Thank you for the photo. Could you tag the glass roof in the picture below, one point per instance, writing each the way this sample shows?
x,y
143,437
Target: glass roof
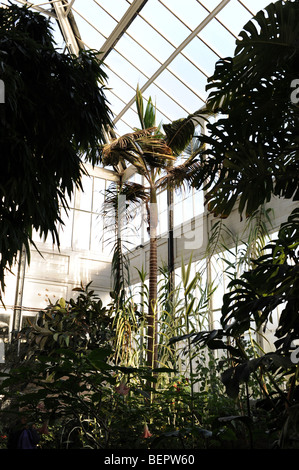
x,y
167,47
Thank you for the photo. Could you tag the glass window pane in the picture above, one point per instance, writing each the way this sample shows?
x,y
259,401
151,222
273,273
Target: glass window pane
x,y
150,39
99,185
188,208
96,239
191,12
234,16
218,38
81,234
66,230
163,20
84,197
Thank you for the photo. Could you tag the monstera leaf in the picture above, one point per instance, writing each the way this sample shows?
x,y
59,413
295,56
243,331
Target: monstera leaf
x,y
252,149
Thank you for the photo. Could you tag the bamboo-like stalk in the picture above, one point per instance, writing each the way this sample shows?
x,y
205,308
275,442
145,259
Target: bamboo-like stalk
x,y
152,355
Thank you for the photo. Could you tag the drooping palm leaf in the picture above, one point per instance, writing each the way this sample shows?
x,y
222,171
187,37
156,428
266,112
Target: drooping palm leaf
x,y
179,133
179,176
153,153
121,205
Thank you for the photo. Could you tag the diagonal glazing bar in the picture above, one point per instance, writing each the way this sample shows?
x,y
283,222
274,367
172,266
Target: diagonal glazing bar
x,y
67,27
37,8
174,54
148,52
122,26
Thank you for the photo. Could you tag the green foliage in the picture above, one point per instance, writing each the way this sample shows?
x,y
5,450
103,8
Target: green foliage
x,y
52,120
242,155
67,373
272,282
245,163
218,389
153,155
81,324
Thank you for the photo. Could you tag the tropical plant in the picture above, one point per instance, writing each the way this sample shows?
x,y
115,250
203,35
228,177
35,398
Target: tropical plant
x,y
153,154
81,324
242,155
65,372
52,121
246,162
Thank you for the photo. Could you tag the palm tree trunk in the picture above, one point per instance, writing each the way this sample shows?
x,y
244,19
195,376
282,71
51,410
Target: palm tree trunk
x,y
152,353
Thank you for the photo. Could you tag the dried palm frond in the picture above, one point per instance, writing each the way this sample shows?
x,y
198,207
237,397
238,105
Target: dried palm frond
x,y
180,175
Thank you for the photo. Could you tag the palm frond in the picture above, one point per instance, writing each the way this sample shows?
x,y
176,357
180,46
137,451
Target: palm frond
x,y
179,133
113,152
133,193
182,175
147,117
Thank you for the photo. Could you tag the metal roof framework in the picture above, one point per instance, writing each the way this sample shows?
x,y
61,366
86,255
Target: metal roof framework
x,y
167,47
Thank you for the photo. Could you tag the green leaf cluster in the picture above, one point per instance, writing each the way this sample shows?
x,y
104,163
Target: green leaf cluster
x,y
251,149
52,121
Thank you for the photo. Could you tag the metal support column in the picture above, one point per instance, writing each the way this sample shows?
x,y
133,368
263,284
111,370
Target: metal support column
x,y
17,312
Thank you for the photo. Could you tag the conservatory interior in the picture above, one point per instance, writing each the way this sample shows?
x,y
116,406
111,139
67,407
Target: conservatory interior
x,y
150,223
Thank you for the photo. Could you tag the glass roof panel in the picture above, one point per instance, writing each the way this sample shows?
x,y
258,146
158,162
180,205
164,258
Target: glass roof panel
x,y
124,69
233,16
93,16
202,55
131,49
92,37
191,16
150,39
117,8
184,69
179,92
255,5
163,20
151,48
209,4
220,40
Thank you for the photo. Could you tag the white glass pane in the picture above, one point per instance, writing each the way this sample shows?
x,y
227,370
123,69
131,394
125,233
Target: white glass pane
x,y
198,202
99,185
256,5
190,75
188,208
190,12
95,16
130,49
185,98
93,37
96,239
233,16
163,20
163,222
203,56
66,230
117,8
81,234
150,39
218,38
210,4
84,197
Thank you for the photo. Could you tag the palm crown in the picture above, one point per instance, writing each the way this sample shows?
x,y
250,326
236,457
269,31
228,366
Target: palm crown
x,y
155,157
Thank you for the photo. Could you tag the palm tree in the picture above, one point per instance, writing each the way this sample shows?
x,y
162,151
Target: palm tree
x,y
153,154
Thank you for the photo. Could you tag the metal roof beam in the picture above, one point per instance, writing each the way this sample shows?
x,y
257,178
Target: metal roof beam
x,y
191,36
62,10
121,27
37,8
